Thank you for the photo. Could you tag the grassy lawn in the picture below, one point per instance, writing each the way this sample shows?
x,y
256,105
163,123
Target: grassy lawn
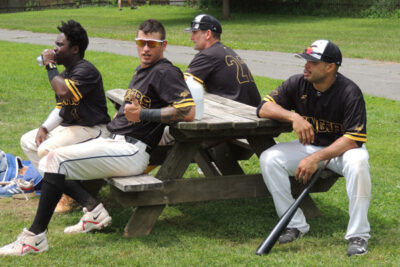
x,y
377,39
221,233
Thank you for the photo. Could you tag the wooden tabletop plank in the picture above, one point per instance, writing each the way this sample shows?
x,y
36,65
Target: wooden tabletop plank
x,y
219,113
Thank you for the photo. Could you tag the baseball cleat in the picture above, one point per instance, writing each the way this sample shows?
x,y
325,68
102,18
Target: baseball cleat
x,y
289,235
357,246
96,219
26,243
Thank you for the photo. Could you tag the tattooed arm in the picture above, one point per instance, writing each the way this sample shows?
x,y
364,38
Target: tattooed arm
x,y
171,114
134,113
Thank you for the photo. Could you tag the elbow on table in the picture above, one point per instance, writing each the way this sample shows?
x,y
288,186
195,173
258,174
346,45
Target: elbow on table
x,y
191,114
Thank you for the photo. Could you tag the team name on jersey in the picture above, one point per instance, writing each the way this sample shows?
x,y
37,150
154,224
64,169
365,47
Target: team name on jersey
x,y
69,102
142,99
323,126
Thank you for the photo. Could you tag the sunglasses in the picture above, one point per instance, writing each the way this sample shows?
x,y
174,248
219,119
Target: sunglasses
x,y
151,43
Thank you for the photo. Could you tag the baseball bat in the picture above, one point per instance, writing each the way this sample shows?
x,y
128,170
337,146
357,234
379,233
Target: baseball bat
x,y
273,236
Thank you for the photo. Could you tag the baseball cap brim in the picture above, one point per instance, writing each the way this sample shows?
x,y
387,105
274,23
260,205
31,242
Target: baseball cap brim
x,y
308,57
190,29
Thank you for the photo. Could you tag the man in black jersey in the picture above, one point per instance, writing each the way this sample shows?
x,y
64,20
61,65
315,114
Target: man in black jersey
x,y
329,119
81,111
157,95
217,67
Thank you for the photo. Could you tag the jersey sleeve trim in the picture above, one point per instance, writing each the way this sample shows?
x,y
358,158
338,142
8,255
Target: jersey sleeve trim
x,y
268,98
59,105
356,136
194,77
73,89
188,102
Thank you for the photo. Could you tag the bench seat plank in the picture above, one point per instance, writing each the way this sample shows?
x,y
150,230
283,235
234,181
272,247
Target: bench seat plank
x,y
137,183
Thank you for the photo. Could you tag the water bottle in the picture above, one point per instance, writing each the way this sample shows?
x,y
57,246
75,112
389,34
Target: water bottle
x,y
197,91
39,60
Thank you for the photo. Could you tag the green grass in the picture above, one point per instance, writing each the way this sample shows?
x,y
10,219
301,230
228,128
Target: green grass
x,y
220,233
377,39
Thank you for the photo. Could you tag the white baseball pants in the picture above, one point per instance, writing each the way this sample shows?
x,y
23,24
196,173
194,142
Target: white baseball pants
x,y
96,159
280,161
59,137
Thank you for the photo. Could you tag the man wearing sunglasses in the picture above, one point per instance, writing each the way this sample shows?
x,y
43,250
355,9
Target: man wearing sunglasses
x,y
329,119
217,67
157,96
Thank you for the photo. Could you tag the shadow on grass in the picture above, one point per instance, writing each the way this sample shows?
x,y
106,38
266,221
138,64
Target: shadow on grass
x,y
236,221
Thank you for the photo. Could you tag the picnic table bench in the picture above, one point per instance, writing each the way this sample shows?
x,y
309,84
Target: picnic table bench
x,y
226,123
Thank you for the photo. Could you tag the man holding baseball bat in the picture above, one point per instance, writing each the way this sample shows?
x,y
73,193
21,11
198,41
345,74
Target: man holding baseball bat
x,y
329,119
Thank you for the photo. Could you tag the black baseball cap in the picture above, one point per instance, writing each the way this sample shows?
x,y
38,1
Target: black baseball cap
x,y
204,22
322,51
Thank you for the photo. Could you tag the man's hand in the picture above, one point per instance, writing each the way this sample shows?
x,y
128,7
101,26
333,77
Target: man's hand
x,y
132,111
306,169
303,129
41,135
48,56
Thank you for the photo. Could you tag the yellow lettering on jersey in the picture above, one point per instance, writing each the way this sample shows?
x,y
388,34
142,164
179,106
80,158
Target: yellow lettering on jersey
x,y
241,75
143,100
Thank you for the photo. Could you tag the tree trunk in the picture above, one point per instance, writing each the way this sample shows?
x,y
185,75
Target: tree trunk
x,y
225,9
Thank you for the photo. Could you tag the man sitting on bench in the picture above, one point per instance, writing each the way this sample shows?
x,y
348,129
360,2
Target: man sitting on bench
x,y
330,121
157,95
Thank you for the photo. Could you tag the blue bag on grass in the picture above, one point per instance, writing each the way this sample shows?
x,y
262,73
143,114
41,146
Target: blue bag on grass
x,y
10,165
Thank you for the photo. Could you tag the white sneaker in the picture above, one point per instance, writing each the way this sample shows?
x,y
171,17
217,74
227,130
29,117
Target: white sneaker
x,y
27,242
96,219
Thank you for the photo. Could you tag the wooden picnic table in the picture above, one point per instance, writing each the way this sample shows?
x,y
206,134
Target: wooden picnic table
x,y
224,120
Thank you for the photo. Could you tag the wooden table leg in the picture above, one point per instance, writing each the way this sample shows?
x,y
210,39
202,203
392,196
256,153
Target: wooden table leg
x,y
205,163
222,157
144,218
142,221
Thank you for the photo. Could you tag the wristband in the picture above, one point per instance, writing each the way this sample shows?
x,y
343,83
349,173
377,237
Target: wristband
x,y
53,120
52,71
153,115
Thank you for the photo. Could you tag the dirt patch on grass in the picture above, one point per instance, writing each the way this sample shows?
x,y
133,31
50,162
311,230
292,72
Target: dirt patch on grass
x,y
17,207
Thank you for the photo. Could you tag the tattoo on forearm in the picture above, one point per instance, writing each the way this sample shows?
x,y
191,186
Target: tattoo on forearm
x,y
171,114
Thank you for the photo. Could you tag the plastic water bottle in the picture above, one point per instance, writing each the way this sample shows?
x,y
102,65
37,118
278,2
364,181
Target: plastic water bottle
x,y
39,60
197,91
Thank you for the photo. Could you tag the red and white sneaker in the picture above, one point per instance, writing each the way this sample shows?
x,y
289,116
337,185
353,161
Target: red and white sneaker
x,y
27,242
96,219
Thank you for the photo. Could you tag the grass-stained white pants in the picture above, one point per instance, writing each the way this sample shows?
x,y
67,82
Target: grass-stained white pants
x,y
281,160
96,159
59,137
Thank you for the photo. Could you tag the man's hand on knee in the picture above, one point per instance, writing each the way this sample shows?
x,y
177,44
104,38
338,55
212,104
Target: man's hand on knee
x,y
306,169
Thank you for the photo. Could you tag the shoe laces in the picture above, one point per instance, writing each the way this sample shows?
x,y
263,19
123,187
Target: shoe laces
x,y
357,241
23,185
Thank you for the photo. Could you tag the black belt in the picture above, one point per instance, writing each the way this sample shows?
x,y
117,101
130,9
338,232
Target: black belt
x,y
133,141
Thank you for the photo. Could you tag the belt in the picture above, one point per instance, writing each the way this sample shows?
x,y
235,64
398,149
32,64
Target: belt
x,y
133,141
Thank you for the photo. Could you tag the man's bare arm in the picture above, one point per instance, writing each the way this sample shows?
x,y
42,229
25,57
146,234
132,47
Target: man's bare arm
x,y
303,128
171,115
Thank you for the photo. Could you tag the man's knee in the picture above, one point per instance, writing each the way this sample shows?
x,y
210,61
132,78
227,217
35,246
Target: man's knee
x,y
42,152
356,160
26,141
269,157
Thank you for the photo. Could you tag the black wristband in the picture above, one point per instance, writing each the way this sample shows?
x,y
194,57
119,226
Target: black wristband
x,y
150,115
52,71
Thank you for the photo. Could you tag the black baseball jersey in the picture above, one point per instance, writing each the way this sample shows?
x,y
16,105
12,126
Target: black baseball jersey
x,y
339,111
157,86
224,73
88,105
